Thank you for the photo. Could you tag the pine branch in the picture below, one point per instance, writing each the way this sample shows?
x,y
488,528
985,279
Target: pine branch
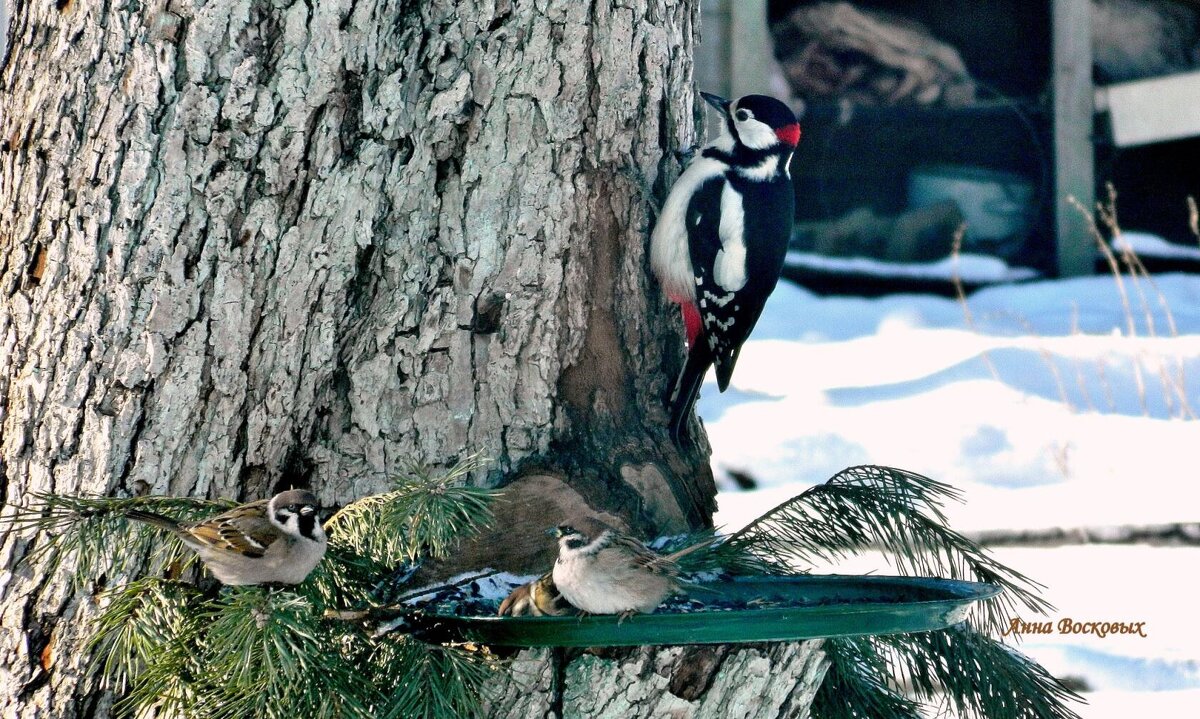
x,y
858,684
977,675
255,653
343,579
139,619
267,654
899,513
721,555
95,534
439,682
424,515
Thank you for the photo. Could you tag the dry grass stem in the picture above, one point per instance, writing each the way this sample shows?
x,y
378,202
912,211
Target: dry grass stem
x,y
961,293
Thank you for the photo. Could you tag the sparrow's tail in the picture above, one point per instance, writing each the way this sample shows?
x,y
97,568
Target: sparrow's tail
x,y
702,544
151,518
687,389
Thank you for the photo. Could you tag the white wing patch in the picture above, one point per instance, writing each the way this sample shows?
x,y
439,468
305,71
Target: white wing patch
x,y
729,269
670,257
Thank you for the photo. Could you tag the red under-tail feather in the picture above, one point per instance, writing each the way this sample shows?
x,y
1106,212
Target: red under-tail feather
x,y
691,322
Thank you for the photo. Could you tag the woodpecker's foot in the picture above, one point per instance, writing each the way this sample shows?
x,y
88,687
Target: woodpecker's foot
x,y
625,615
685,154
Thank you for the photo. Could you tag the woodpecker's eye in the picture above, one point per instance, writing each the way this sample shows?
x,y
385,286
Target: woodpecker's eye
x,y
743,115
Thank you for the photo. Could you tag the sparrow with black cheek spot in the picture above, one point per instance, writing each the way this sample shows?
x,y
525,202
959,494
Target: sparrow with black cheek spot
x,y
614,573
275,541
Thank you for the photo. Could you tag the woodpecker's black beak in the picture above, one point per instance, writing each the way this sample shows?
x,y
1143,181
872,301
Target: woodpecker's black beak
x,y
716,101
553,532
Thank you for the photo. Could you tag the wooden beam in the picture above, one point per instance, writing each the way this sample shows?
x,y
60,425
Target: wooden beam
x,y
1074,171
751,51
1153,110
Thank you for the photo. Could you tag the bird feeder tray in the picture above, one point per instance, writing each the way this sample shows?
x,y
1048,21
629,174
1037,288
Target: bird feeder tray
x,y
758,609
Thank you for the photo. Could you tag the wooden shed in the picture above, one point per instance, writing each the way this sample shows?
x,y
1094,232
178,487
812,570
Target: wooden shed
x,y
1036,113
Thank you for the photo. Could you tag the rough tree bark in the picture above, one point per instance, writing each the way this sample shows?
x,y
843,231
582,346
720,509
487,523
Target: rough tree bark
x,y
247,244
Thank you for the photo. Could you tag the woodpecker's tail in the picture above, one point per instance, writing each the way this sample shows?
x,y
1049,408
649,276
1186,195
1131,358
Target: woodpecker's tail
x,y
151,518
687,389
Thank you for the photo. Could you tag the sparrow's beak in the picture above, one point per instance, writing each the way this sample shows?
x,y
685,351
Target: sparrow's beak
x,y
716,101
553,532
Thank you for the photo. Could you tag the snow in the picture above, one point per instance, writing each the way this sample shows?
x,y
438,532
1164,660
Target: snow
x,y
1064,403
970,268
1147,245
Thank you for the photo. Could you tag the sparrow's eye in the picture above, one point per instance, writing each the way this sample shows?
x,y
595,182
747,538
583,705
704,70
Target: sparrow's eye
x,y
742,115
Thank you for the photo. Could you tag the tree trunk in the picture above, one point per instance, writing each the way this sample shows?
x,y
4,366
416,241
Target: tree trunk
x,y
251,244
698,682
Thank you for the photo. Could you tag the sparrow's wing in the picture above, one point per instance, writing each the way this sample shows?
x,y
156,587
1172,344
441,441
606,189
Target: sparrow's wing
x,y
642,557
243,530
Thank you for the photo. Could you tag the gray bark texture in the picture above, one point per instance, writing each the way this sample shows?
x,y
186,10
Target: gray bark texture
x,y
768,681
251,244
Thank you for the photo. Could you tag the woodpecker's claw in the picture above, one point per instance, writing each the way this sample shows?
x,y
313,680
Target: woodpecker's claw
x,y
685,154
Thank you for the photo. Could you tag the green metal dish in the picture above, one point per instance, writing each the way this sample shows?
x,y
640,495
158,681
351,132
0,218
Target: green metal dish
x,y
800,607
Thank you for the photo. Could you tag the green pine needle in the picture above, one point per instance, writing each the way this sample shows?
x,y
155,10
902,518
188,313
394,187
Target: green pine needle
x,y
979,676
426,515
254,653
93,533
721,555
270,654
958,667
858,685
267,654
439,681
139,619
896,512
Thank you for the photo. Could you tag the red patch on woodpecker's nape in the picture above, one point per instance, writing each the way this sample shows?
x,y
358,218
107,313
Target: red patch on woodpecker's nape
x,y
789,134
691,322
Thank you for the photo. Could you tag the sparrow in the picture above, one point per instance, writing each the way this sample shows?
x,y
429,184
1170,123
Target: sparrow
x,y
539,598
614,573
275,541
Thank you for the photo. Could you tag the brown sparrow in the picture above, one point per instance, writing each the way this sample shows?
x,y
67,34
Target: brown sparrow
x,y
613,573
539,598
275,541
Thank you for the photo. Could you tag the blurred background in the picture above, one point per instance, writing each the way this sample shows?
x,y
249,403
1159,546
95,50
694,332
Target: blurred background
x,y
919,114
1050,366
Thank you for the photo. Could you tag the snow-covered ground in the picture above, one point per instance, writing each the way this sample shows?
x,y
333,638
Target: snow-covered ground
x,y
1057,404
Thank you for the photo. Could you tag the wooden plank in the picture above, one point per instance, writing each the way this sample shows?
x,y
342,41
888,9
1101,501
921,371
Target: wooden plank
x,y
712,56
1154,110
752,54
1074,175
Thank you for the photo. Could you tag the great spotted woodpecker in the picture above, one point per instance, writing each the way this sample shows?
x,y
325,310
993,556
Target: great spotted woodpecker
x,y
721,237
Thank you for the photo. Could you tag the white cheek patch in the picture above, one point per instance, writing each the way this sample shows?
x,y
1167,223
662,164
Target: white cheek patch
x,y
729,269
756,135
